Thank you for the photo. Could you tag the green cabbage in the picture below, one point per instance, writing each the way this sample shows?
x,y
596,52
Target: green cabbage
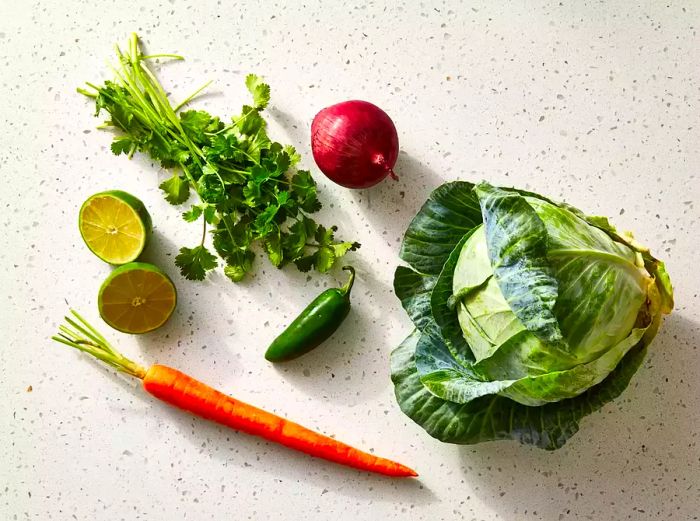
x,y
529,315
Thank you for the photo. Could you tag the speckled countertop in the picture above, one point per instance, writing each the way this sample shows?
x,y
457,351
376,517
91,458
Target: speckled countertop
x,y
596,103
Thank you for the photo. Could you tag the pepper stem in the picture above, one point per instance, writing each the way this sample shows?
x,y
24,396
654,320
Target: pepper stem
x,y
345,290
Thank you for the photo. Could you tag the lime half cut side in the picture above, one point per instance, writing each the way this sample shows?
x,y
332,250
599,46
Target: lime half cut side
x,y
137,298
115,226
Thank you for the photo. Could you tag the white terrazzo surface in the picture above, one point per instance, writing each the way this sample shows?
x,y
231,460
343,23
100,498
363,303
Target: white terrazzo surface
x,y
593,102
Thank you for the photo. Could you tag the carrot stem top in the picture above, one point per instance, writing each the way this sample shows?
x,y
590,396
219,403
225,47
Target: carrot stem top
x,y
84,337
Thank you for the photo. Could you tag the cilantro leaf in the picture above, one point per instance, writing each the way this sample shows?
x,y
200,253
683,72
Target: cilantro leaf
x,y
326,239
282,198
304,187
210,214
215,125
261,189
197,210
233,244
195,262
294,156
121,145
250,122
305,264
192,214
238,238
252,192
259,90
327,250
341,248
210,186
195,123
273,247
176,189
169,153
238,265
324,258
255,144
275,159
229,177
224,146
180,155
219,146
263,222
223,244
294,242
325,236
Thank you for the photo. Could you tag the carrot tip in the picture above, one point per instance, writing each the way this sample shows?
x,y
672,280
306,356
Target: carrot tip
x,y
407,472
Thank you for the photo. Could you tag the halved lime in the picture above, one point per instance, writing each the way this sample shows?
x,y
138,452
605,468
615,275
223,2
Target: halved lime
x,y
115,226
137,298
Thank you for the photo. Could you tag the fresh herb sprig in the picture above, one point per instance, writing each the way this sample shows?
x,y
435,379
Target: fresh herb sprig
x,y
248,186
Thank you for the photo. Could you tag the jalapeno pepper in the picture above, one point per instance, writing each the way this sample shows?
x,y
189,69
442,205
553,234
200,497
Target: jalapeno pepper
x,y
315,324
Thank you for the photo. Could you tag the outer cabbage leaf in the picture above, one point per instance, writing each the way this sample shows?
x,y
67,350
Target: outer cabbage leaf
x,y
413,290
443,376
443,309
451,211
557,385
498,418
501,374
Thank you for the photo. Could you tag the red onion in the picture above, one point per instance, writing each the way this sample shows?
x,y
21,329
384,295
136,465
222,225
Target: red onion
x,y
355,144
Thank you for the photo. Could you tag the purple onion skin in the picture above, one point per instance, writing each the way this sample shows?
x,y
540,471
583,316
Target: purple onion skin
x,y
354,144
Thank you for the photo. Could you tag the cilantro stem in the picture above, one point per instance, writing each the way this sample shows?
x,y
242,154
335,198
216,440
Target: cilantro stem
x,y
246,154
204,232
234,170
127,82
133,74
235,122
188,174
226,219
192,96
158,96
142,117
159,107
86,93
152,56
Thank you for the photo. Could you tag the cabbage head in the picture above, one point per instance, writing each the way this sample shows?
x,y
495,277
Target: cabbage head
x,y
529,315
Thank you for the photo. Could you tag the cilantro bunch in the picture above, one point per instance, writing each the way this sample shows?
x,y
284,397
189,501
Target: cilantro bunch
x,y
248,186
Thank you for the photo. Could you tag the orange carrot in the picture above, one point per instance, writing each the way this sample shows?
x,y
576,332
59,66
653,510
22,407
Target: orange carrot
x,y
184,392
